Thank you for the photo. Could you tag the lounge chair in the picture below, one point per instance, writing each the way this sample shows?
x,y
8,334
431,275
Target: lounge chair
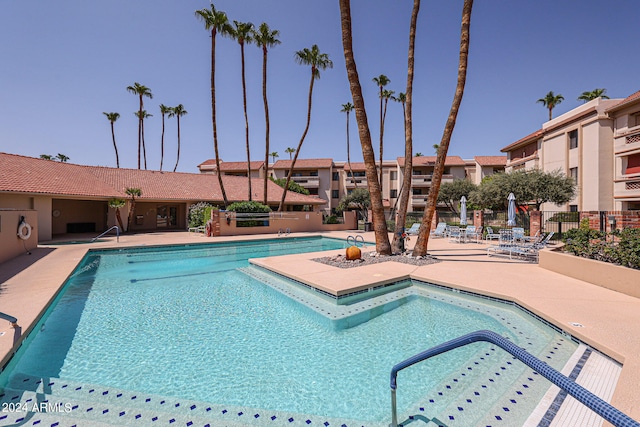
x,y
491,235
414,228
473,233
439,231
518,234
455,235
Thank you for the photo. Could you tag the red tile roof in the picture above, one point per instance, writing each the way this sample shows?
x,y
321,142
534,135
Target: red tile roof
x,y
356,166
304,164
628,100
20,174
523,141
230,166
431,161
491,160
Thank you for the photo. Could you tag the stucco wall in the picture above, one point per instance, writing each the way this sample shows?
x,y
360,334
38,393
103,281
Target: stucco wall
x,y
295,221
42,204
65,212
10,244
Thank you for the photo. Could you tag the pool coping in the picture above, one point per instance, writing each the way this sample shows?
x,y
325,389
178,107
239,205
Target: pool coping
x,y
599,317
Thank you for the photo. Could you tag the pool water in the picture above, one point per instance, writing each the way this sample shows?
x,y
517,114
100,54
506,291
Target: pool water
x,y
189,323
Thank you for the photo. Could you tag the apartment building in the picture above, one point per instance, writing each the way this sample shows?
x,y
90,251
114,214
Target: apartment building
x,y
597,144
234,168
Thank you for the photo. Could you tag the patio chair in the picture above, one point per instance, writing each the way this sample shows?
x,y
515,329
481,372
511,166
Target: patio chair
x,y
518,234
491,235
455,234
439,231
414,228
473,233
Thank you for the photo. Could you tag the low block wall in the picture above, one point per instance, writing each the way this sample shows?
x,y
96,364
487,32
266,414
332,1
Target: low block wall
x,y
296,222
10,244
610,276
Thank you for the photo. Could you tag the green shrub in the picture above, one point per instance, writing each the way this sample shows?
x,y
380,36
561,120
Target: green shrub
x,y
293,186
331,219
565,217
619,247
199,214
248,208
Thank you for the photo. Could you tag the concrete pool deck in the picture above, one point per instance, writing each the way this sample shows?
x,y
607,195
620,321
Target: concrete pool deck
x,y
610,320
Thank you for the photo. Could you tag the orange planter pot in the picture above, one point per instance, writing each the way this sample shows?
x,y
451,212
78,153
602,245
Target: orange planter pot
x,y
353,253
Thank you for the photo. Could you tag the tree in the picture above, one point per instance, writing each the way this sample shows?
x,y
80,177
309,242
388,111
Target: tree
x,y
293,186
163,110
46,156
141,91
419,154
436,147
594,94
178,111
243,33
381,81
420,248
379,223
451,192
117,204
62,158
347,108
112,117
266,38
141,115
216,22
359,199
551,101
290,150
133,193
274,155
318,61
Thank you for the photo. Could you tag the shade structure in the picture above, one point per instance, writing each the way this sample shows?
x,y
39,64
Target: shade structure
x,y
511,213
463,210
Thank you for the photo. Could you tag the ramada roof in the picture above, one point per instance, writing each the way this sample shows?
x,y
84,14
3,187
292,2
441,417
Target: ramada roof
x,y
304,164
431,161
628,100
28,175
523,141
491,160
230,166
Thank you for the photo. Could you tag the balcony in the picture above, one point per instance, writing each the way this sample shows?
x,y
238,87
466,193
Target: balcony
x,y
419,200
361,181
307,181
627,188
425,180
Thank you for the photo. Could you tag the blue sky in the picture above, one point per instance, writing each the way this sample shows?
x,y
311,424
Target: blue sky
x,y
65,62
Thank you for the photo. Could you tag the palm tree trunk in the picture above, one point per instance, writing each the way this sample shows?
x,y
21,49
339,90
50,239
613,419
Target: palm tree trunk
x,y
379,224
420,248
144,148
381,136
349,154
119,218
178,156
246,120
384,117
550,112
266,120
115,147
162,144
213,115
304,134
139,131
405,191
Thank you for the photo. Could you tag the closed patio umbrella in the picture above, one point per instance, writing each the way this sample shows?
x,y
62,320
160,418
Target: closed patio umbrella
x,y
511,213
463,211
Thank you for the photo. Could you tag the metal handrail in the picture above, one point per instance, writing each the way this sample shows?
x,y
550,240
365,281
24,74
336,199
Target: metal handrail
x,y
582,395
353,240
117,234
11,319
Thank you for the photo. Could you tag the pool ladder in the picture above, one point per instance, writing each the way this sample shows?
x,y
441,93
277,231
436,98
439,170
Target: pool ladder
x,y
11,319
284,231
117,234
582,395
353,240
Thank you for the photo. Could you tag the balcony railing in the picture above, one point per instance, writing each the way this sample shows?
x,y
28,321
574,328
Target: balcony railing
x,y
307,181
419,200
425,180
351,182
629,187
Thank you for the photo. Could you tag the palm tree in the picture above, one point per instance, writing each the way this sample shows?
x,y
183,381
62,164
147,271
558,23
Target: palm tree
x,y
419,154
591,95
379,223
274,155
347,108
290,150
141,91
420,249
381,81
178,111
551,101
216,22
117,204
386,94
318,61
436,147
112,117
265,38
62,158
163,110
141,115
133,193
243,33
46,156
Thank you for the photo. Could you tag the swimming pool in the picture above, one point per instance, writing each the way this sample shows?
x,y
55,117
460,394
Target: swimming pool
x,y
192,327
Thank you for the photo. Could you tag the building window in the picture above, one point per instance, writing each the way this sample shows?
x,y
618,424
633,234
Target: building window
x,y
313,173
573,208
335,176
393,175
393,194
573,139
633,164
417,172
335,194
573,173
313,191
416,191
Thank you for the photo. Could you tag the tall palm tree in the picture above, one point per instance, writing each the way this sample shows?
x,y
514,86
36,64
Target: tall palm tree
x,y
290,151
163,110
274,155
420,249
381,81
551,101
133,193
178,111
141,115
141,91
112,117
318,61
387,95
243,34
379,223
216,22
347,108
62,158
591,95
265,38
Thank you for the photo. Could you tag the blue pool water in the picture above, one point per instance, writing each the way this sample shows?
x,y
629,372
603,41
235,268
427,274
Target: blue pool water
x,y
188,322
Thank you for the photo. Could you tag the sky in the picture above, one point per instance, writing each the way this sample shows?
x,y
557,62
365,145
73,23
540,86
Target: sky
x,y
66,62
